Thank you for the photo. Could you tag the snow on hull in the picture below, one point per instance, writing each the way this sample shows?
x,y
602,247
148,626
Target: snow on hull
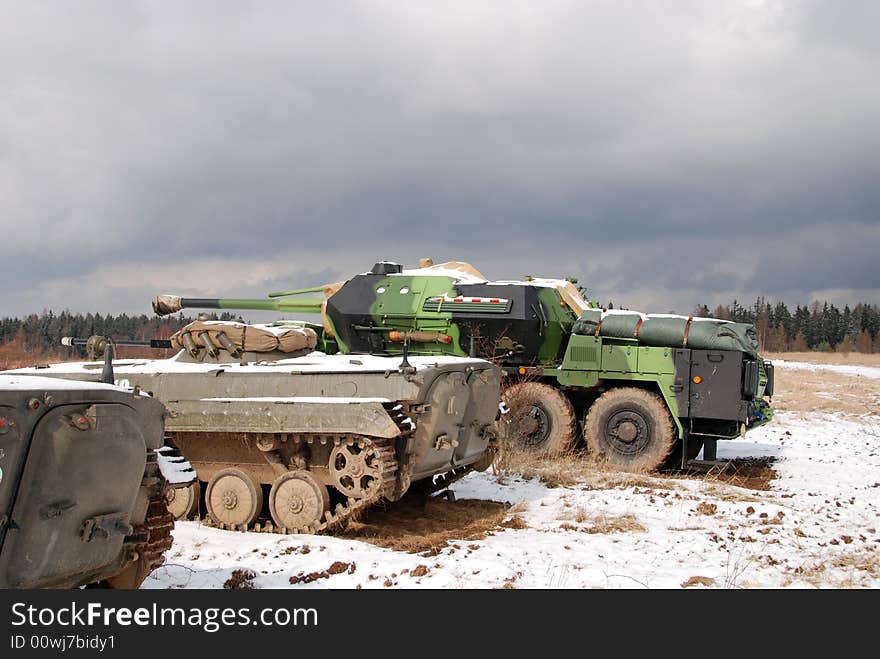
x,y
10,382
315,362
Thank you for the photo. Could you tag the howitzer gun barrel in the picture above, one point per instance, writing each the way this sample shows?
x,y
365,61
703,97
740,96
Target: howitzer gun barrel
x,y
164,305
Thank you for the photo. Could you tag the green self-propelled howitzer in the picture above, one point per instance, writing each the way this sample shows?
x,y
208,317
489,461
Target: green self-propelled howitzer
x,y
645,390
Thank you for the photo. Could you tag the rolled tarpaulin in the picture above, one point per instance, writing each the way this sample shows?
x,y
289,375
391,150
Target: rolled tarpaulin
x,y
250,338
669,330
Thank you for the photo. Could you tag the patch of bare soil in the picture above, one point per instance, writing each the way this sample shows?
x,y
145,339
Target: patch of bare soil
x,y
336,568
748,473
416,524
240,580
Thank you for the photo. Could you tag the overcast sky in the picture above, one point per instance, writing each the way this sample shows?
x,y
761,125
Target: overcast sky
x,y
666,153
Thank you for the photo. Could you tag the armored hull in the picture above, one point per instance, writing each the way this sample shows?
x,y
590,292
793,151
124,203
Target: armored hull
x,y
298,444
82,493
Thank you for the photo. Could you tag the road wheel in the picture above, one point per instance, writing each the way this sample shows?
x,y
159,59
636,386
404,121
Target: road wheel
x,y
297,501
541,419
630,428
233,499
183,502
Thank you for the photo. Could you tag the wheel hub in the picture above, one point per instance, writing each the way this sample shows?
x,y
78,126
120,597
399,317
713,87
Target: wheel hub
x,y
295,504
627,431
230,499
533,427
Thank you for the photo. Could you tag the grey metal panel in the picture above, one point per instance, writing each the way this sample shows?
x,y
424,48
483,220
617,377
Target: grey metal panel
x,y
93,474
719,393
295,417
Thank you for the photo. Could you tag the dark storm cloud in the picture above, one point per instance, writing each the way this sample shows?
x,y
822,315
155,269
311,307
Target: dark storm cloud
x,y
666,153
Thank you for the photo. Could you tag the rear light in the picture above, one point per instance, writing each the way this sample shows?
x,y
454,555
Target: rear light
x,y
79,421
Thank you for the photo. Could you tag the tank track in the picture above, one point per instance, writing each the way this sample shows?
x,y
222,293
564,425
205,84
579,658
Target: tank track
x,y
392,472
157,526
153,536
341,513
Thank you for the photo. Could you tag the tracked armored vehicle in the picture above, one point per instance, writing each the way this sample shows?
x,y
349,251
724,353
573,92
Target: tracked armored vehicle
x,y
82,493
643,391
290,440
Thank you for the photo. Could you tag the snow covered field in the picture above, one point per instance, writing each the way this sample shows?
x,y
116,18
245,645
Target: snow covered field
x,y
816,526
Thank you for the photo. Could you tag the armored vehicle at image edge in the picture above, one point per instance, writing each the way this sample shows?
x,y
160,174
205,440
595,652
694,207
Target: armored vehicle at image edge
x,y
287,439
83,471
647,390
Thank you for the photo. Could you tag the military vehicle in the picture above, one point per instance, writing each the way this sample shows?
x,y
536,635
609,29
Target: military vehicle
x,y
647,390
287,439
82,491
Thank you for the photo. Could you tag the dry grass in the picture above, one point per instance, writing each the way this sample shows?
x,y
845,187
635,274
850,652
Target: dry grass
x,y
825,391
415,524
858,564
579,469
698,581
599,523
554,471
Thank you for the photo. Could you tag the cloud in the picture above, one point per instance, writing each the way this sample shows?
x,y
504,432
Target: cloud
x,y
667,154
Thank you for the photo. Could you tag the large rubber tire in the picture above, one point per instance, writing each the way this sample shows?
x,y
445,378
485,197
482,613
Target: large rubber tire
x,y
233,499
631,429
541,419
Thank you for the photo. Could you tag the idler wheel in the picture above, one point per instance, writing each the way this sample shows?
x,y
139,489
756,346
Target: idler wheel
x,y
233,498
298,501
183,502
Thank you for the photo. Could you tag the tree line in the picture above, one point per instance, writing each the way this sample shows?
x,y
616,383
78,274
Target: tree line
x,y
817,326
37,337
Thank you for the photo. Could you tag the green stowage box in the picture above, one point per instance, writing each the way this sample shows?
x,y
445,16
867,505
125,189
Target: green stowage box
x,y
668,330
